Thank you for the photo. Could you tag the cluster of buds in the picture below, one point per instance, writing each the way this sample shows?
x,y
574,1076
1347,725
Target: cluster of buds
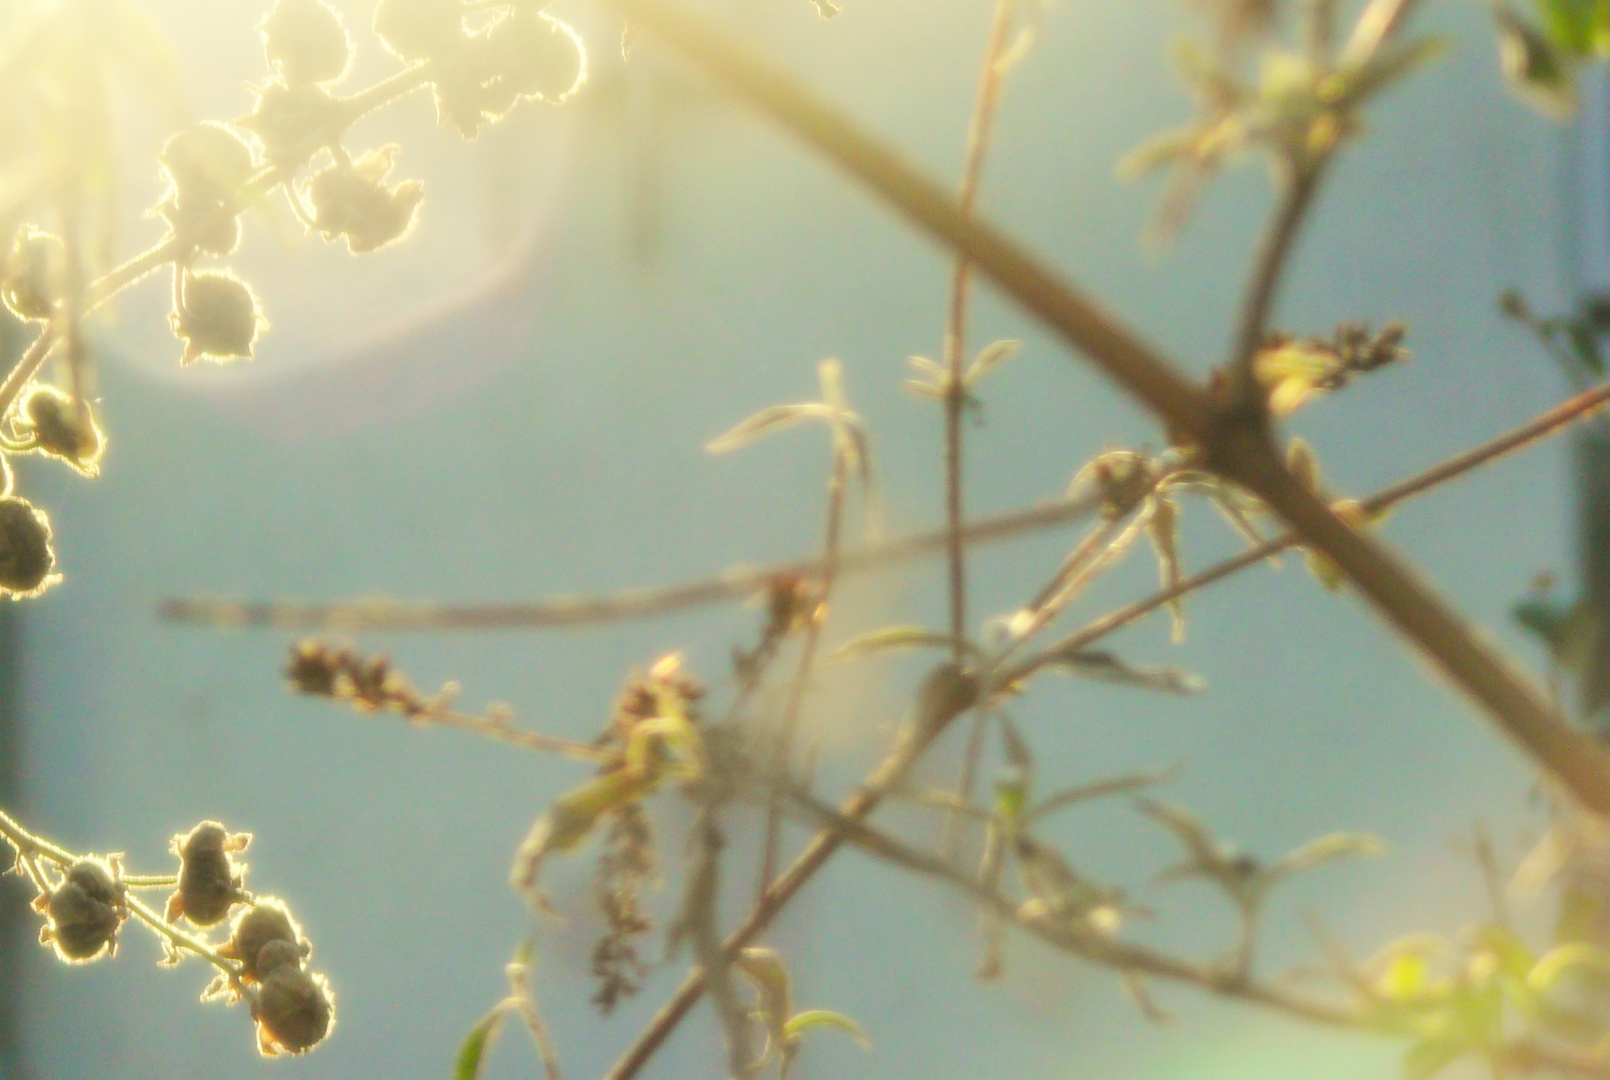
x,y
479,75
294,1007
1292,370
370,683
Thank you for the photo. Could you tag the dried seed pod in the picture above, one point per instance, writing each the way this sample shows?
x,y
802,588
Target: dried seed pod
x,y
62,429
31,284
292,122
305,42
420,29
216,317
353,200
265,921
294,1010
26,557
210,881
539,57
85,912
207,161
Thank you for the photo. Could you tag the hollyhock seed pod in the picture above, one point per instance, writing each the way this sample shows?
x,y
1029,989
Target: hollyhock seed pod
x,y
305,42
265,921
31,284
26,557
353,200
294,1010
217,317
85,912
207,161
210,881
61,429
420,29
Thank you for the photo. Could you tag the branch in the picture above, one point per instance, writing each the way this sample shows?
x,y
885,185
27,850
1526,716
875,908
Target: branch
x,y
734,584
1236,450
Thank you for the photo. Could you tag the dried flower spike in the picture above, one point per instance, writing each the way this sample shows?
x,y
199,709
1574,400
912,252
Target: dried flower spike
x,y
31,283
85,911
305,42
61,428
26,557
216,316
210,881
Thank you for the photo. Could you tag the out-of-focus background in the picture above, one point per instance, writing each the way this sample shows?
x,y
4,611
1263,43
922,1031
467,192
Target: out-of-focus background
x,y
514,404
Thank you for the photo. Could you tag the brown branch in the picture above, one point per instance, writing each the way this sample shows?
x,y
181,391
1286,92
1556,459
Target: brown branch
x,y
734,584
1237,450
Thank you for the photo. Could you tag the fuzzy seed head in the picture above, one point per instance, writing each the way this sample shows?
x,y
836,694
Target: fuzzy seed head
x,y
85,912
265,921
31,284
305,42
62,429
295,1011
353,200
210,881
217,317
26,557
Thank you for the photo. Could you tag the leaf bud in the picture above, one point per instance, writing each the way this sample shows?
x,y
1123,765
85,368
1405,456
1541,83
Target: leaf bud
x,y
305,42
210,881
85,912
216,316
26,557
62,428
353,200
294,1010
31,284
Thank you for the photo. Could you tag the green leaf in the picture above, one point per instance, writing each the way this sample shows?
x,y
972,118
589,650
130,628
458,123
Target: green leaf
x,y
890,638
812,1018
1585,343
1324,849
1109,668
989,358
1535,68
1563,960
1569,24
771,418
472,1052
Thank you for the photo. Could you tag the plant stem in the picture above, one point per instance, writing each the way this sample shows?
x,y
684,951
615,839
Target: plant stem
x,y
957,392
1238,451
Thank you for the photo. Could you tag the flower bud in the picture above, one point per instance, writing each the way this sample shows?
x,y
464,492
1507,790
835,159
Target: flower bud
x,y
31,284
305,42
353,200
265,921
292,122
207,162
62,429
294,1011
216,317
420,29
210,881
85,912
26,557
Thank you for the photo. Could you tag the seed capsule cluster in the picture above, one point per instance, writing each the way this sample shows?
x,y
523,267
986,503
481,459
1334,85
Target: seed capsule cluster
x,y
294,1008
84,911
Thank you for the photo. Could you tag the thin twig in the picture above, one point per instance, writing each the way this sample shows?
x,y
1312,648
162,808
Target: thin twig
x,y
734,584
519,976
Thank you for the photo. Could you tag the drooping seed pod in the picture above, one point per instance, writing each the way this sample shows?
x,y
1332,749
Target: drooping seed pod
x,y
217,317
84,912
353,200
210,881
62,429
305,42
207,161
420,29
294,1010
26,557
31,283
265,921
